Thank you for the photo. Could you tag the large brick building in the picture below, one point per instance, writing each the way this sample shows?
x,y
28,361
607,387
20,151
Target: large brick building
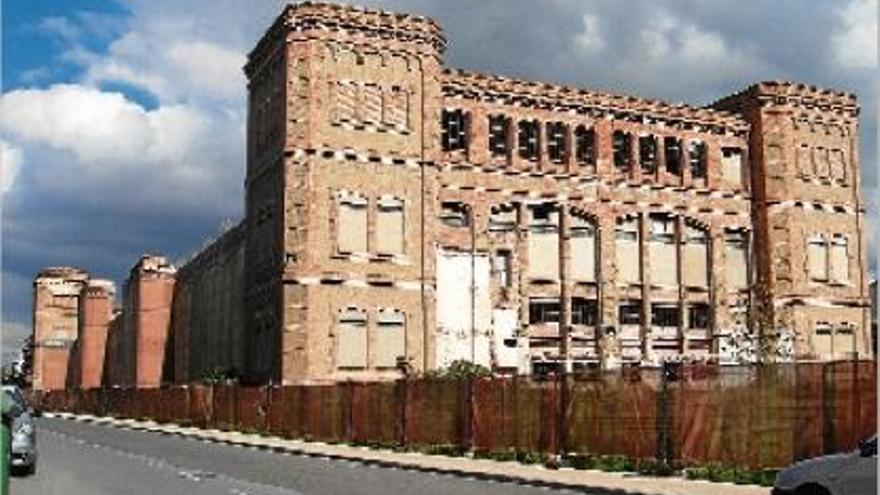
x,y
400,215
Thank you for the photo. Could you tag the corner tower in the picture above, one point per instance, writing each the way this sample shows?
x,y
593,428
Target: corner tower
x,y
809,217
342,114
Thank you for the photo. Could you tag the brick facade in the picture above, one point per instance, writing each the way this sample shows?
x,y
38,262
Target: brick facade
x,y
400,214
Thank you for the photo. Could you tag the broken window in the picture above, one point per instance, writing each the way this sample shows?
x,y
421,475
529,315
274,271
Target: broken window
x,y
648,154
672,151
585,146
455,130
695,253
502,218
390,226
543,310
583,248
389,346
622,151
731,165
498,129
528,139
698,316
839,259
584,311
817,258
543,244
697,156
627,250
351,339
630,312
454,214
664,315
662,250
556,137
502,266
351,232
736,258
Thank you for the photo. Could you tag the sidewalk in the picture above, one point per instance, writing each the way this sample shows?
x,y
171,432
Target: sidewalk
x,y
585,480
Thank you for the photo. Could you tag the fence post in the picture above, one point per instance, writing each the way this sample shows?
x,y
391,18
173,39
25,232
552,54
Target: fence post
x,y
562,409
349,395
828,444
400,398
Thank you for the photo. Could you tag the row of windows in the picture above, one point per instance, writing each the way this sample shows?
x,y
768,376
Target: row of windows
x,y
369,104
690,251
360,346
584,311
456,126
828,258
352,225
817,161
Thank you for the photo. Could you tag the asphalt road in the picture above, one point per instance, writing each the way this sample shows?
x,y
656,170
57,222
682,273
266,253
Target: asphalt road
x,y
77,458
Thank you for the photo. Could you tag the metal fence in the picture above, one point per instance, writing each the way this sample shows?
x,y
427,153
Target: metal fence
x,y
750,416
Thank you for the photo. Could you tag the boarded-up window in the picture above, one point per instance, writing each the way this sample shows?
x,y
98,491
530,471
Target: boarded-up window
x,y
370,104
804,160
820,159
736,259
351,339
501,264
817,258
626,246
390,226
823,333
351,232
695,254
838,165
839,261
583,249
396,112
502,218
390,341
544,241
345,98
731,165
663,252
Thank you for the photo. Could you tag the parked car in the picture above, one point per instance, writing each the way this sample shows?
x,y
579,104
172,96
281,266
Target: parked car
x,y
851,473
24,432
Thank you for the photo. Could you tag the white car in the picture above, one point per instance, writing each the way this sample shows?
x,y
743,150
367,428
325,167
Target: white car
x,y
852,473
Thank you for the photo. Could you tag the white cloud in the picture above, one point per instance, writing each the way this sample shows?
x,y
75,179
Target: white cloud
x,y
10,163
590,39
118,147
856,45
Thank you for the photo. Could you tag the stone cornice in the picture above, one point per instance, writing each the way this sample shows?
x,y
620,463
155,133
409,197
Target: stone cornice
x,y
786,93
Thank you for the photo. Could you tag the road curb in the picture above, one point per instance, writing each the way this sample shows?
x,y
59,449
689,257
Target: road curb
x,y
311,449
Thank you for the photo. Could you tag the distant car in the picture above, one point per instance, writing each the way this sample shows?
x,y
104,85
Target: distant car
x,y
24,433
851,473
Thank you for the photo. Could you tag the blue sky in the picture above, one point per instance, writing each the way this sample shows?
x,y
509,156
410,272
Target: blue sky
x,y
122,121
